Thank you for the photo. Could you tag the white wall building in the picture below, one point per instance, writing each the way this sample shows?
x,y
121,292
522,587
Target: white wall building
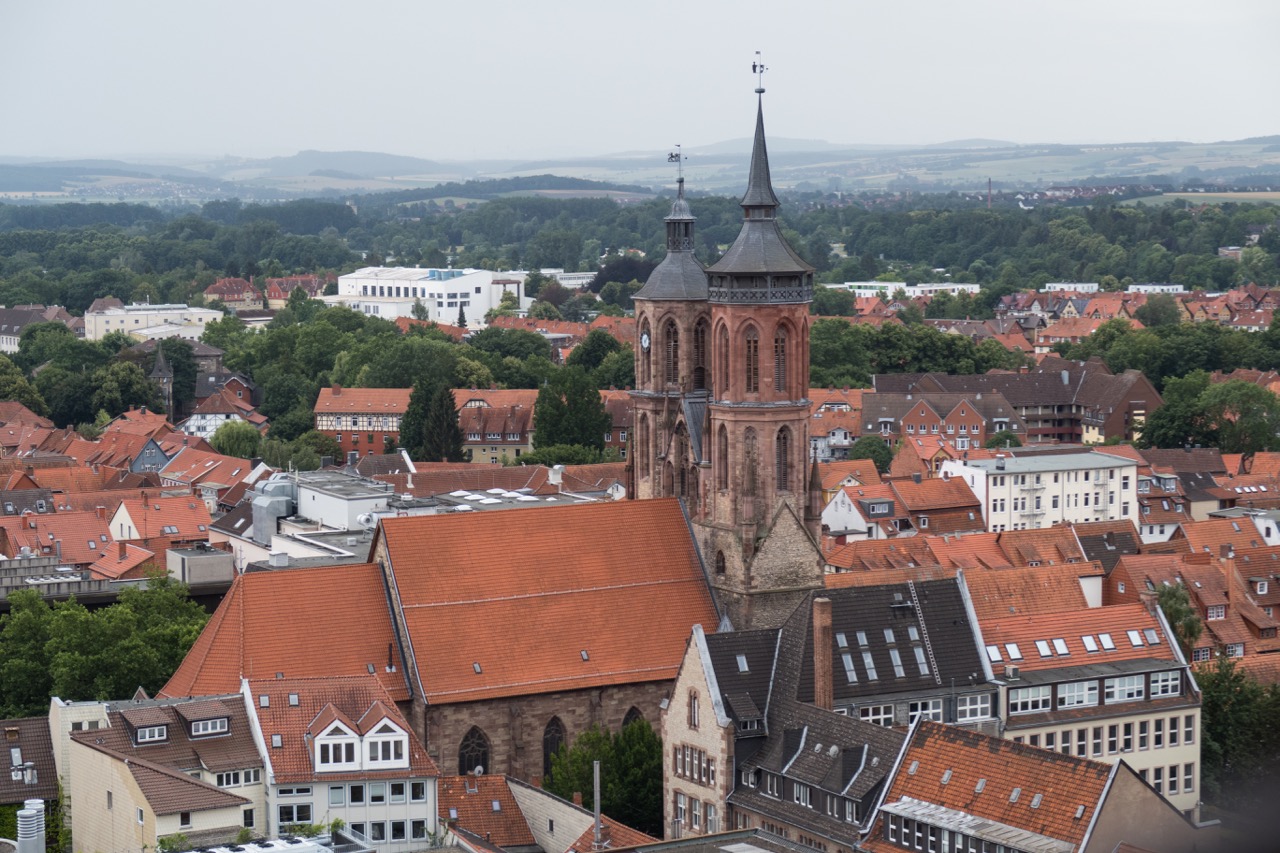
x,y
1155,288
1031,492
886,289
1071,287
149,321
390,292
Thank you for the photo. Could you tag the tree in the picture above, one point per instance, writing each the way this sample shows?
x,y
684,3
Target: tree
x,y
540,310
1183,618
559,454
1003,438
462,317
870,447
570,410
1247,416
237,438
14,386
1181,420
1160,309
1238,737
318,444
442,437
182,361
122,386
419,310
413,424
630,774
592,351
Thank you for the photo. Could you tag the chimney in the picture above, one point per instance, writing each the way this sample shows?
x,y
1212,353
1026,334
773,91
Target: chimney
x,y
337,390
577,798
822,686
123,550
31,829
101,512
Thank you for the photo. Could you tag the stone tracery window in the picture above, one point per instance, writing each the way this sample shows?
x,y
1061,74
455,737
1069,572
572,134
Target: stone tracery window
x,y
473,754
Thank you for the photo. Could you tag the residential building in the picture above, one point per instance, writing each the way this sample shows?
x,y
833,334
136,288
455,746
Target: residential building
x,y
1033,491
338,747
278,290
363,420
963,421
12,322
224,406
496,425
235,293
958,790
31,773
1108,683
161,768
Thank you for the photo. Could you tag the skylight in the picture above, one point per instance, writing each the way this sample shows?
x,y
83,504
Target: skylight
x,y
1135,638
1090,644
1014,652
896,658
870,665
1107,643
862,638
1042,646
847,660
993,653
1060,646
842,641
1152,637
742,663
888,635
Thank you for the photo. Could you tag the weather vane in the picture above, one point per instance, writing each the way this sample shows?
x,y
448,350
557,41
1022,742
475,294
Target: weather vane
x,y
677,157
758,68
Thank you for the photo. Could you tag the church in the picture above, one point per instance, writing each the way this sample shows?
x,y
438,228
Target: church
x,y
503,635
721,403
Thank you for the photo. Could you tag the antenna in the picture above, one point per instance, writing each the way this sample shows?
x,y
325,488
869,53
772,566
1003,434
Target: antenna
x,y
758,68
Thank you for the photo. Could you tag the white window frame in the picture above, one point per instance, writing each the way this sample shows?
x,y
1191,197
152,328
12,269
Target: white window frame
x,y
1030,700
1125,688
1167,683
1077,694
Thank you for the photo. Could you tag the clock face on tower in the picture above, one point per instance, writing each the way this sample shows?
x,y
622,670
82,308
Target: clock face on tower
x,y
644,340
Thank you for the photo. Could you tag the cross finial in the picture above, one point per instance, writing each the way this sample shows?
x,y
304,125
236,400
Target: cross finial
x,y
677,157
758,68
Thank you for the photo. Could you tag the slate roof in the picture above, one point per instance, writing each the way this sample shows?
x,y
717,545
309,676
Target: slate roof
x,y
744,691
941,623
252,635
962,758
580,598
293,704
680,275
1207,460
1107,541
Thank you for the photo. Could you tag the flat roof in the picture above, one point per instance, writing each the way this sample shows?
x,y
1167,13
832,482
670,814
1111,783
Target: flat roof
x,y
1059,462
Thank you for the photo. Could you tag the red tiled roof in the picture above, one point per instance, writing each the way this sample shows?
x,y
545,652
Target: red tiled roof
x,y
404,324
861,470
569,580
969,550
151,514
1064,783
283,621
1047,545
122,561
936,494
1070,626
79,537
364,401
1045,589
192,466
471,798
298,707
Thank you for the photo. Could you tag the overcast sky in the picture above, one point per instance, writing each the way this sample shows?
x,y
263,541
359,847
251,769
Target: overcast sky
x,y
470,79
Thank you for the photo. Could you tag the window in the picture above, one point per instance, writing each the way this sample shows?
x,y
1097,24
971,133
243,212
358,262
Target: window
x,y
418,830
1216,611
695,813
295,813
930,709
801,794
377,792
1189,729
1077,694
357,794
973,707
337,795
338,753
201,728
881,715
671,353
1025,700
184,820
680,807
148,734
1188,778
247,818
418,792
780,359
1143,727
1235,650
473,753
377,831
1128,688
141,817
553,737
752,361
397,830
693,709
782,459
1166,683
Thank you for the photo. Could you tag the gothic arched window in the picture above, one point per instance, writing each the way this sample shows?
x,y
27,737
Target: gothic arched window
x,y
780,359
643,451
473,754
552,740
633,716
722,458
751,362
671,353
719,562
722,360
782,459
700,355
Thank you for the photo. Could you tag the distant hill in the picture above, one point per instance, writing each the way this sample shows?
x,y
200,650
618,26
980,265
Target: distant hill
x,y
365,164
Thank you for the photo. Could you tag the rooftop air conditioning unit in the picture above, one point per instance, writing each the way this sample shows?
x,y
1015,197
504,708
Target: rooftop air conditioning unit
x,y
1011,672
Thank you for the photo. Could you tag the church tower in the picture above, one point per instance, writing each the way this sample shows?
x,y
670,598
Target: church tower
x,y
673,374
758,530
721,403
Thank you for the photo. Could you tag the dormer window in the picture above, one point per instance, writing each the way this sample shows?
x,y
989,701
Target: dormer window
x,y
153,734
204,728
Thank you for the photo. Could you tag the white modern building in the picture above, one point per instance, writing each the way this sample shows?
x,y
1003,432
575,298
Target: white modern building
x,y
1155,288
146,322
886,289
1071,287
391,292
1030,492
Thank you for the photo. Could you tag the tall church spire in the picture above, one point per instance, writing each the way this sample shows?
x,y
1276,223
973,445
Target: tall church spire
x,y
759,185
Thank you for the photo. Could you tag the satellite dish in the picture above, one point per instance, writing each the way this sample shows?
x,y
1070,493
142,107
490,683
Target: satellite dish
x,y
365,520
